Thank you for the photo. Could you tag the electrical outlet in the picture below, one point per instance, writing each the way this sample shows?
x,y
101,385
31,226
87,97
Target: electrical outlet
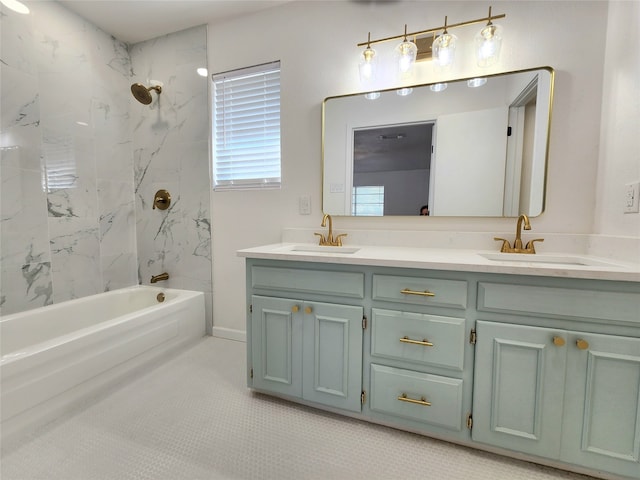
x,y
632,197
304,204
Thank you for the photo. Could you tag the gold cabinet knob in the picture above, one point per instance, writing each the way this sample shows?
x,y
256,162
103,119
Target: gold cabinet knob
x,y
308,310
582,344
558,341
295,309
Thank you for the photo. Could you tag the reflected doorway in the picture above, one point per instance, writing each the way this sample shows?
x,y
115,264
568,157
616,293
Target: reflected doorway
x,y
397,159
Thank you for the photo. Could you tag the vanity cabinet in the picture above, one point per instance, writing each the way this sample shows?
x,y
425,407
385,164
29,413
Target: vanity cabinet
x,y
417,353
541,367
303,348
558,391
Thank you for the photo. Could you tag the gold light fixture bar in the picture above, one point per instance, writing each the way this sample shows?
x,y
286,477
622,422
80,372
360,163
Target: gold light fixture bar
x,y
436,29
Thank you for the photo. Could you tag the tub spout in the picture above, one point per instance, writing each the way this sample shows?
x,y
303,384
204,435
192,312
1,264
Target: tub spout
x,y
157,278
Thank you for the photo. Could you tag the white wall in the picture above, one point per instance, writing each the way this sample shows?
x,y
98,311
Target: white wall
x,y
316,43
619,161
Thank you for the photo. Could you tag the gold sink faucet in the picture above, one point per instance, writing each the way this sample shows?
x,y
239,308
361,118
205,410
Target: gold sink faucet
x,y
517,243
329,240
157,278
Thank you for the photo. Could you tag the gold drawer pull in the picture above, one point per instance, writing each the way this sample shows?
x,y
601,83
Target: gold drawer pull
x,y
422,401
582,344
426,293
308,310
558,341
424,342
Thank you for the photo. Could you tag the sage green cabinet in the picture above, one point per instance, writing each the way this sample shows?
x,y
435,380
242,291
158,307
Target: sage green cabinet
x,y
518,388
545,367
559,394
310,350
601,416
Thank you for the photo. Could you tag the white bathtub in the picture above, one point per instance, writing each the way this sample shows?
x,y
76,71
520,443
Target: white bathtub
x,y
54,357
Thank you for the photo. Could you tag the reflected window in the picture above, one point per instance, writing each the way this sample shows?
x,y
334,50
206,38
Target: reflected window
x,y
368,201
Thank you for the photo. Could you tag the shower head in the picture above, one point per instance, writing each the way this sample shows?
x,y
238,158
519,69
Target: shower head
x,y
143,94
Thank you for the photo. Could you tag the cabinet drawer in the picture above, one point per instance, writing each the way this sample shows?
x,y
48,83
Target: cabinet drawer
x,y
417,337
558,302
420,291
340,284
393,389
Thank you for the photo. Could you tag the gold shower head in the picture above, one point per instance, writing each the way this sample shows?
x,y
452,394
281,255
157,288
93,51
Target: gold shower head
x,y
143,94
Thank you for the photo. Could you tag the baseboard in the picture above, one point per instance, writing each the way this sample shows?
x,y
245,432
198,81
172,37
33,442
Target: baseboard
x,y
229,333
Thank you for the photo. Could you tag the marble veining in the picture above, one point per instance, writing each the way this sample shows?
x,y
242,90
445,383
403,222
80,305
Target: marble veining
x,y
81,160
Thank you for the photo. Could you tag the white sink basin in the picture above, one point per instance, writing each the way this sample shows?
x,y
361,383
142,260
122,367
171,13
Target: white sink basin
x,y
323,249
559,260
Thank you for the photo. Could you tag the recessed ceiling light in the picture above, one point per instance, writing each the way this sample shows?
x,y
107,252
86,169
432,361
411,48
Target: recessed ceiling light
x,y
16,6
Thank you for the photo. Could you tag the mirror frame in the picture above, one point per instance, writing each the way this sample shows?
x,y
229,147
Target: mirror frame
x,y
547,133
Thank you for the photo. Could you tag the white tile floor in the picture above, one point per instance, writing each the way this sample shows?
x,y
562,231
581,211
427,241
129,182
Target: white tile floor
x,y
193,418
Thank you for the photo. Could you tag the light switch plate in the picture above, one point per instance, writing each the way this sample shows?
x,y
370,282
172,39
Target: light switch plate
x,y
304,204
632,197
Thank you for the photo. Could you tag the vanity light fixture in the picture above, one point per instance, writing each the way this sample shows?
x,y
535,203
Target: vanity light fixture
x,y
372,95
438,87
476,82
16,6
444,47
368,63
418,46
488,43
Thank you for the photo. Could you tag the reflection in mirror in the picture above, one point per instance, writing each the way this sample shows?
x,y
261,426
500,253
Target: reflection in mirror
x,y
462,150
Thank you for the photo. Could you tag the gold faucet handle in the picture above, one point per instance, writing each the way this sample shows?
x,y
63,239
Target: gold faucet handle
x,y
338,241
322,239
506,246
530,246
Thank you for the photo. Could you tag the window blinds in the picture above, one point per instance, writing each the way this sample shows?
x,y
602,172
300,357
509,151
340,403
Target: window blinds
x,y
246,127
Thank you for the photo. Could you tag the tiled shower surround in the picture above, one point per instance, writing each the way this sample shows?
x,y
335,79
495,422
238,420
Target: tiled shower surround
x,y
81,160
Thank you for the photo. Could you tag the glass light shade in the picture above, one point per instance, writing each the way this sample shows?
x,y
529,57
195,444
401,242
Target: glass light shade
x,y
16,6
372,95
438,87
403,92
444,49
488,45
406,56
368,65
476,82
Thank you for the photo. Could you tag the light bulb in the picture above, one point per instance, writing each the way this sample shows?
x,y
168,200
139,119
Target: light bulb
x,y
403,92
406,56
438,87
444,49
476,82
367,65
488,45
372,95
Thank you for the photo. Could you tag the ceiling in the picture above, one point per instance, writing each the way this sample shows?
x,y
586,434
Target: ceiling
x,y
134,21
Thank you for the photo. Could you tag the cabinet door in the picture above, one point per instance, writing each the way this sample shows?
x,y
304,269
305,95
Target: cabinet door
x,y
276,343
518,388
333,355
601,427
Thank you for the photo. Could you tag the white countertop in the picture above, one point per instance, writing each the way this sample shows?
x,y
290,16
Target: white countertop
x,y
465,260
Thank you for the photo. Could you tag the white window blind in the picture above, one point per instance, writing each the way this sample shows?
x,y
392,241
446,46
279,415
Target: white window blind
x,y
246,127
367,201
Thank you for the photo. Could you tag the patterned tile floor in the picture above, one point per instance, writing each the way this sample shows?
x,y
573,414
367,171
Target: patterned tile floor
x,y
193,418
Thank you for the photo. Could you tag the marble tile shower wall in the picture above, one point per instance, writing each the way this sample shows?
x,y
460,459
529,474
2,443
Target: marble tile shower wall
x,y
171,151
67,209
79,157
